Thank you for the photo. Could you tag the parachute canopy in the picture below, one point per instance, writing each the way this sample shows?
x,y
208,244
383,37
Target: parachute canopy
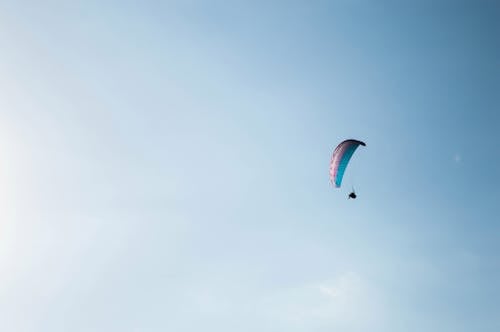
x,y
340,158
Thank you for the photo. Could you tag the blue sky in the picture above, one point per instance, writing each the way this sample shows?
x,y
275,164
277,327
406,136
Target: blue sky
x,y
164,166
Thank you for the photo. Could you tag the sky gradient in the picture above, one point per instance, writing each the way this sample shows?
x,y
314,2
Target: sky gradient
x,y
164,166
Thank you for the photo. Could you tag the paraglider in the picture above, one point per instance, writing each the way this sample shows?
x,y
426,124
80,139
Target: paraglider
x,y
339,161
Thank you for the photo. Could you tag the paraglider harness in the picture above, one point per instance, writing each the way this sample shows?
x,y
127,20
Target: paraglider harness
x,y
352,194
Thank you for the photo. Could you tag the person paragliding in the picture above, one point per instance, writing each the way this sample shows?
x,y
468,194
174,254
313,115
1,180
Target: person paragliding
x,y
340,158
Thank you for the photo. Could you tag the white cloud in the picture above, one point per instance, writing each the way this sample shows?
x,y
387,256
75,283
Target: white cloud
x,y
347,301
347,284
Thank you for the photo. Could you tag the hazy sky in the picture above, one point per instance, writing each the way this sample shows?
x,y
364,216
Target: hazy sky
x,y
164,166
